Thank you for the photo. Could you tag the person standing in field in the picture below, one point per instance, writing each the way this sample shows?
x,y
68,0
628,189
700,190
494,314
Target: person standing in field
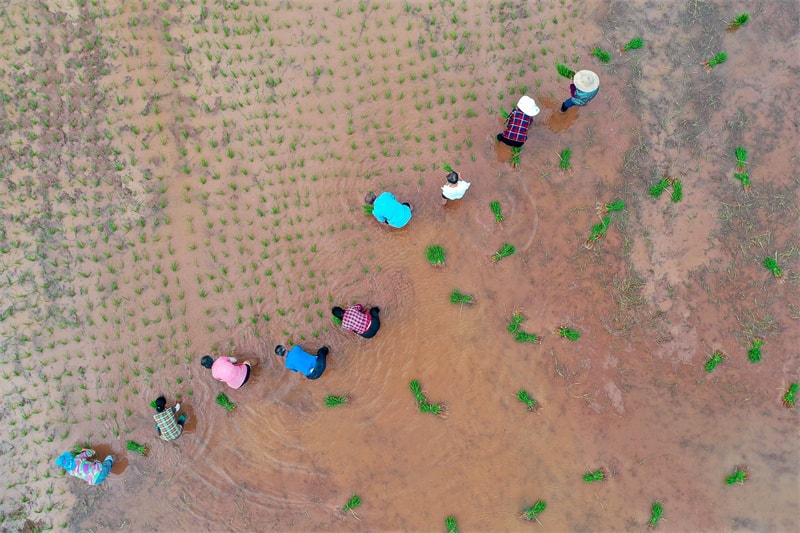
x,y
225,369
81,466
585,86
386,209
297,360
358,320
455,188
518,123
168,426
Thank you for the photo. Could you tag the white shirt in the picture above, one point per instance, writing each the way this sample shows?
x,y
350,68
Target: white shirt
x,y
457,192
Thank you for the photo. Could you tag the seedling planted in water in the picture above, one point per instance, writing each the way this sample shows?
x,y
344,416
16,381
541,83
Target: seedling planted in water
x,y
754,353
738,21
633,44
597,475
739,476
568,333
789,395
450,524
222,399
656,511
495,206
133,446
533,512
457,297
525,398
435,255
721,57
505,251
564,157
601,54
333,401
716,358
565,71
771,264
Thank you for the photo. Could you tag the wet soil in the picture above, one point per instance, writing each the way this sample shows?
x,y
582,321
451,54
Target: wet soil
x,y
183,179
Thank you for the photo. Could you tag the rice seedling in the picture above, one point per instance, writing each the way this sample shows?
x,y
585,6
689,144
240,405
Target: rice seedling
x,y
739,476
525,398
677,191
656,511
136,447
754,353
598,232
633,44
495,206
352,503
716,358
564,159
741,158
435,255
771,264
515,155
447,167
601,54
368,209
533,512
222,399
788,399
333,401
738,21
516,321
450,524
568,333
657,189
505,251
422,402
597,475
744,178
565,71
712,62
457,297
613,207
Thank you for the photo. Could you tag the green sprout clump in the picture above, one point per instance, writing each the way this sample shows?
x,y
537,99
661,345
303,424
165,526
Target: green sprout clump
x,y
739,476
136,447
435,255
744,178
515,155
495,206
739,21
616,205
771,264
565,71
505,251
716,358
718,59
450,524
597,475
633,44
656,511
457,297
525,398
352,503
422,402
741,157
657,189
516,321
677,191
505,114
447,167
754,353
532,512
568,333
333,401
564,159
601,54
368,209
788,399
222,399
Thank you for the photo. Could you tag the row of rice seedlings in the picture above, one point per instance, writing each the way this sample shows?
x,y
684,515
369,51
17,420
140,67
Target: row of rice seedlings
x,y
515,328
424,406
677,188
741,167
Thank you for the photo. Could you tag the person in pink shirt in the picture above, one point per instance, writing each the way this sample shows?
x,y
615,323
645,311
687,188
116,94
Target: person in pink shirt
x,y
225,369
81,466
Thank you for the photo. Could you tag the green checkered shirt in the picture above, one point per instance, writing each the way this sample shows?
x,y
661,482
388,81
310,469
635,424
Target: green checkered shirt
x,y
170,429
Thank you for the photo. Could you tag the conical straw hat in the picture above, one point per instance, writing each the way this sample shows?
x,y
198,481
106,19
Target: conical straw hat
x,y
586,80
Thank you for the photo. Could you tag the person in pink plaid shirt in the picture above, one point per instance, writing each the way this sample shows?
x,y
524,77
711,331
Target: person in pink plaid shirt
x,y
356,319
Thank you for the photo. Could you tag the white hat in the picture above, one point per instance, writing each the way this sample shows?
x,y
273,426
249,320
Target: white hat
x,y
586,80
528,106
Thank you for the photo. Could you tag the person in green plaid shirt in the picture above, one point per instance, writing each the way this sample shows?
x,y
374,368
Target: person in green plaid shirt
x,y
168,426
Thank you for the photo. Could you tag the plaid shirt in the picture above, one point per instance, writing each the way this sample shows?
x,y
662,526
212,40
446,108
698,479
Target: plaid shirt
x,y
355,319
165,421
517,126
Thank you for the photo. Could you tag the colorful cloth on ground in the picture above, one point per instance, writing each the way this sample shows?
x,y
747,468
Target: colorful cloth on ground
x,y
166,422
387,209
224,370
90,470
356,319
517,125
583,98
457,192
300,361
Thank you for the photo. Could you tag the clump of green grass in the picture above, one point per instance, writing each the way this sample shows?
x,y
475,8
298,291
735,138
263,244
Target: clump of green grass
x,y
368,209
677,191
564,159
568,333
656,512
738,21
789,396
565,71
515,155
716,358
533,512
352,503
657,189
133,446
520,336
597,475
771,264
457,297
333,401
601,54
223,400
422,402
525,398
744,178
739,476
633,44
754,353
495,206
598,232
435,255
505,251
450,524
718,59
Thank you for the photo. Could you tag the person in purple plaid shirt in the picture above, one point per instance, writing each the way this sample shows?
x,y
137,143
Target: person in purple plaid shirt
x,y
356,319
518,122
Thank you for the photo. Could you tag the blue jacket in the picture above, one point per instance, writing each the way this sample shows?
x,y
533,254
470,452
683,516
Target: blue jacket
x,y
387,209
583,98
300,361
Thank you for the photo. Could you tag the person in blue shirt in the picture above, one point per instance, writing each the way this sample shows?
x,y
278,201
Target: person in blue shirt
x,y
386,208
297,360
585,85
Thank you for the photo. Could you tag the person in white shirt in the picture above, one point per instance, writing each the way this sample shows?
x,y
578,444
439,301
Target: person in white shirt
x,y
455,188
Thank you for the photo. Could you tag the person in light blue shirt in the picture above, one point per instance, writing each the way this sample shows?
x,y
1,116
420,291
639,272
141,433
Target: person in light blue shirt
x,y
585,86
297,360
386,208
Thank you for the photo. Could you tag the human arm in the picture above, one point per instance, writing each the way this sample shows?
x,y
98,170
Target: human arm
x,y
232,359
85,454
572,89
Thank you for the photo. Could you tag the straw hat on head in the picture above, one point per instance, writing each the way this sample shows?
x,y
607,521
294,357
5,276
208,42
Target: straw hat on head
x,y
586,80
528,106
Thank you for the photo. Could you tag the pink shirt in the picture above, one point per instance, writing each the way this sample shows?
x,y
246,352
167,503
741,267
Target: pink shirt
x,y
224,370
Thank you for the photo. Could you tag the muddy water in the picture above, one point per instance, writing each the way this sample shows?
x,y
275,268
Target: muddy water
x,y
206,197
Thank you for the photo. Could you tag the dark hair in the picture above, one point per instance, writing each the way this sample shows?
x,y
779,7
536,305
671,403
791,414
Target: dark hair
x,y
369,198
452,177
207,361
161,403
338,312
280,350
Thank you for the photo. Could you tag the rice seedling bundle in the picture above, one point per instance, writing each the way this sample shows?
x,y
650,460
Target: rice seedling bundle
x,y
457,297
634,44
738,477
532,512
435,255
223,400
505,251
754,353
597,475
789,396
565,71
601,54
333,401
495,207
716,358
133,446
